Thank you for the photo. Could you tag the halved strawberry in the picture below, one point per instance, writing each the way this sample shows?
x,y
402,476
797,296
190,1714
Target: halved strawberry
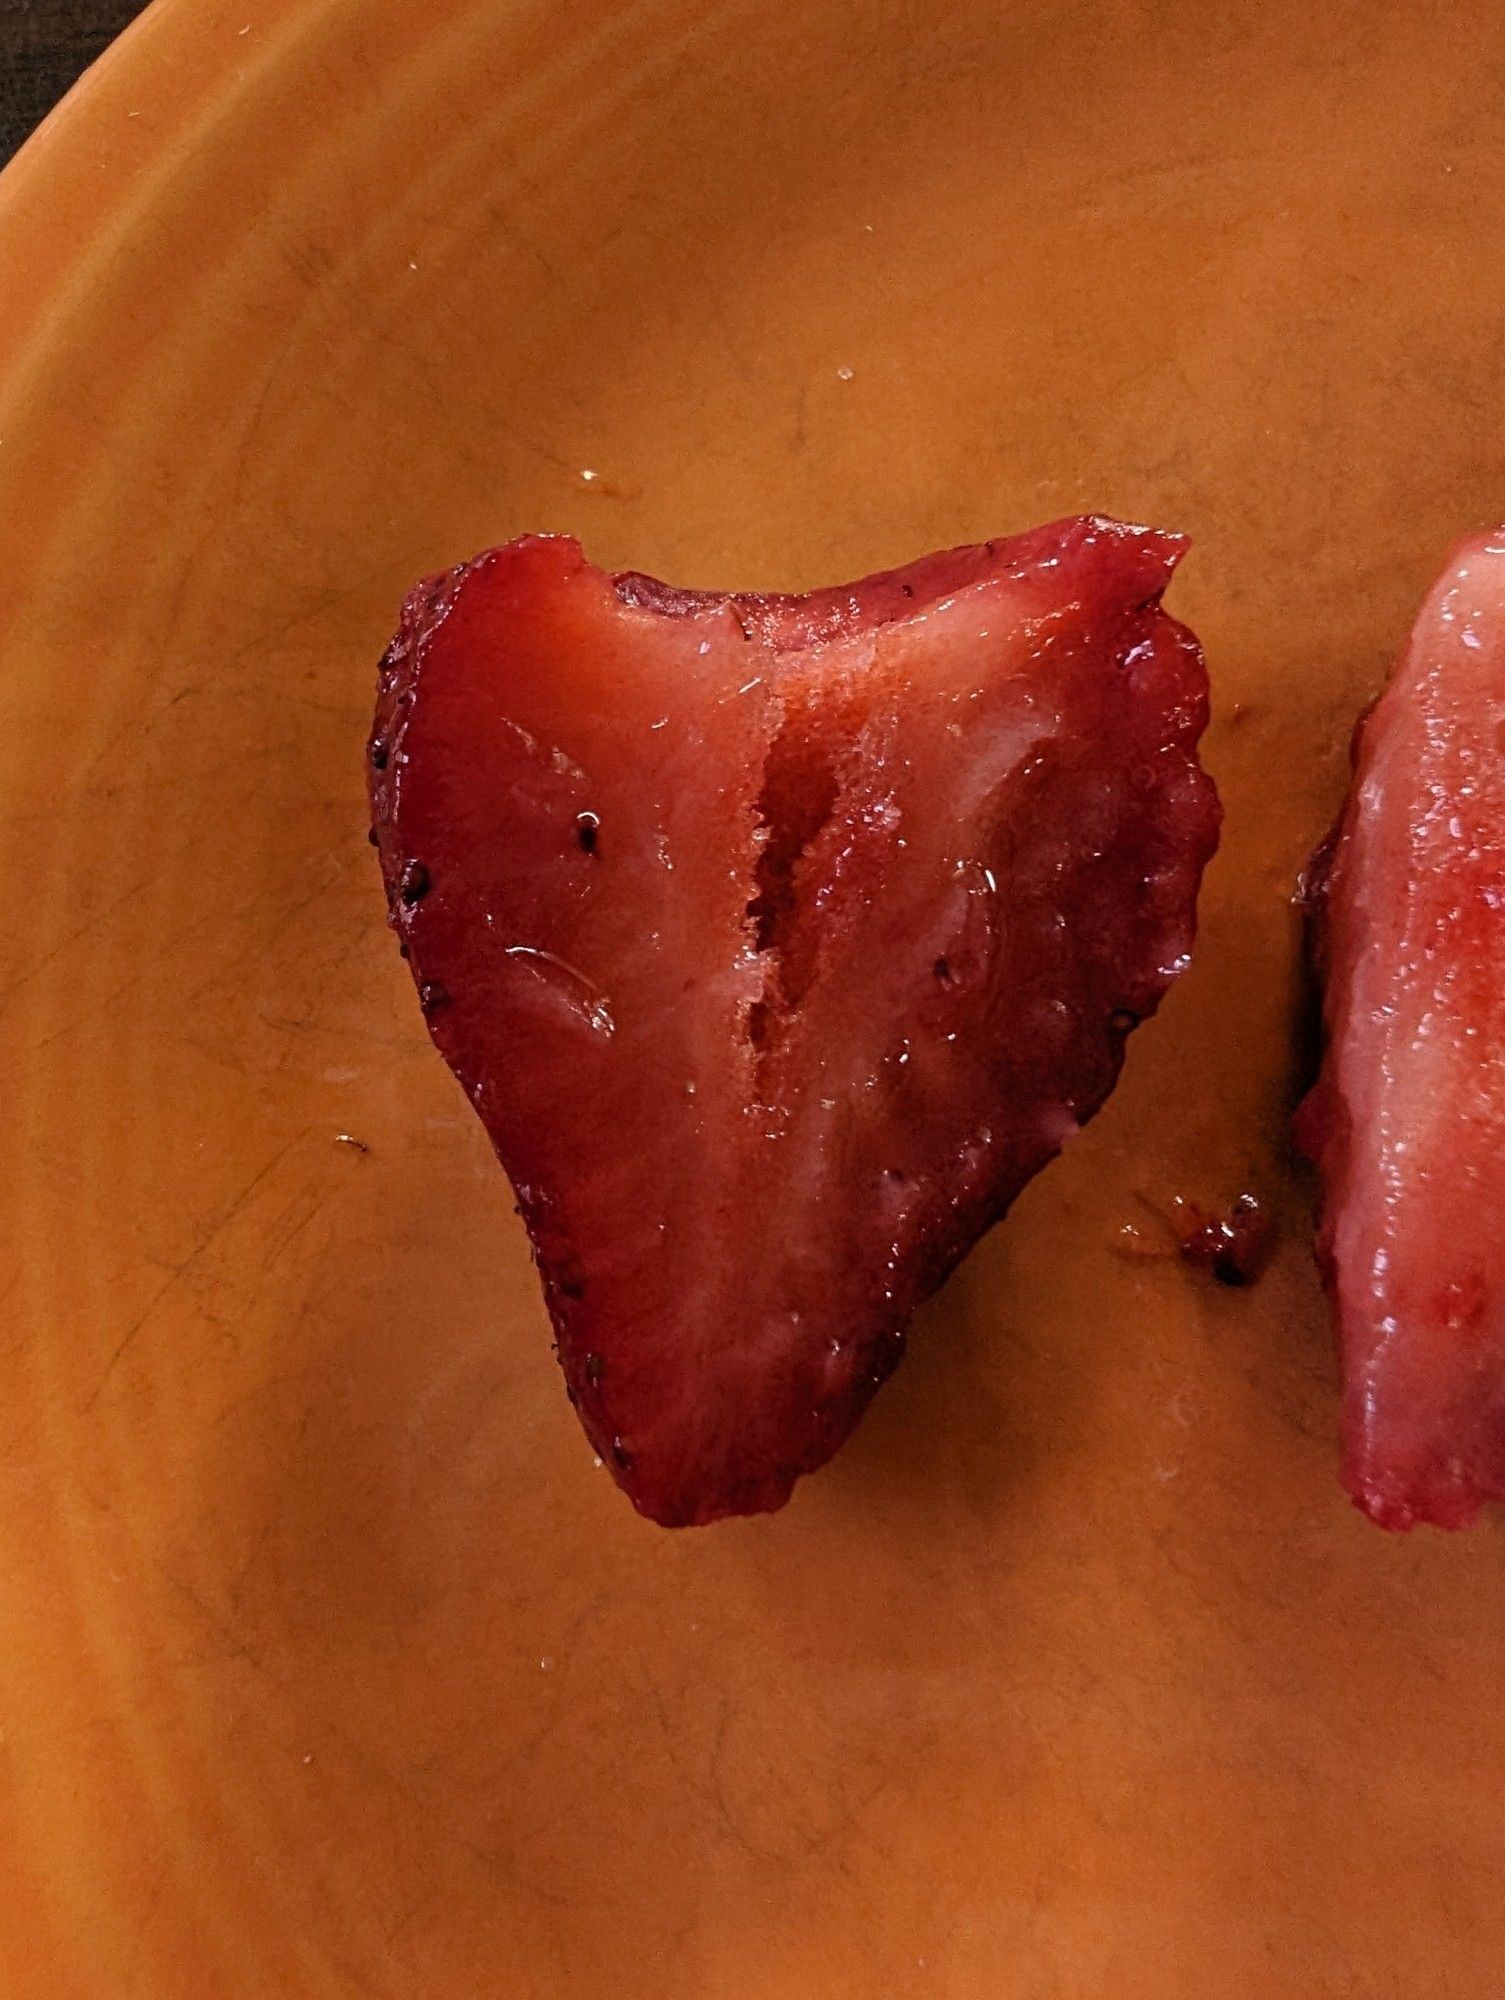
x,y
1407,1120
778,941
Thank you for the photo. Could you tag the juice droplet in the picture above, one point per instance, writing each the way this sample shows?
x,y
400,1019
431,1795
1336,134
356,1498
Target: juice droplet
x,y
564,983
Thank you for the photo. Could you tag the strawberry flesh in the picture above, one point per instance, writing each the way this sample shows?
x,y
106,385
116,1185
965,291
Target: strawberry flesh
x,y
1406,1123
779,941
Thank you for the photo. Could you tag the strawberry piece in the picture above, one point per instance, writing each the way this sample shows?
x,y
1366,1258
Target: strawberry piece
x,y
778,941
1407,1120
1233,1247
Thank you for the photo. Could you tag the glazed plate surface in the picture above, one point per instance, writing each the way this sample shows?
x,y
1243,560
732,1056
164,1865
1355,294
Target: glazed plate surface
x,y
329,1663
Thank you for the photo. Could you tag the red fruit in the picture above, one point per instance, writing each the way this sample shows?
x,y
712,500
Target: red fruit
x,y
778,941
1234,1246
1407,1121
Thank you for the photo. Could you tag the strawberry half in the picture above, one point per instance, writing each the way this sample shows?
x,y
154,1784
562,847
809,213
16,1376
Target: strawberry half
x,y
1407,1120
778,941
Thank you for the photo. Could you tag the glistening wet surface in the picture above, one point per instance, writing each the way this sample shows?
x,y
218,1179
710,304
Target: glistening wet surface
x,y
1074,1673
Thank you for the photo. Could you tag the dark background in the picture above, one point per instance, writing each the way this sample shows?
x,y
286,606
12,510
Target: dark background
x,y
44,45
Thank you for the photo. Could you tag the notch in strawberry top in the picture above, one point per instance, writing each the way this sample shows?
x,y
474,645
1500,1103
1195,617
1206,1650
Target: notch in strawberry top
x,y
779,941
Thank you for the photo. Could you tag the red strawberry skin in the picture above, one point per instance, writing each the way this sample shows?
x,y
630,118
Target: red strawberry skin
x,y
1407,1121
779,941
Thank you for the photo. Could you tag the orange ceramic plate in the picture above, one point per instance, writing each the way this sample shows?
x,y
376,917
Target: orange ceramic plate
x,y
329,1665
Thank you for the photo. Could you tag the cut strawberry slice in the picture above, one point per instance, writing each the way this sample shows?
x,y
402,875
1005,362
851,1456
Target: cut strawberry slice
x,y
778,941
1407,1121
